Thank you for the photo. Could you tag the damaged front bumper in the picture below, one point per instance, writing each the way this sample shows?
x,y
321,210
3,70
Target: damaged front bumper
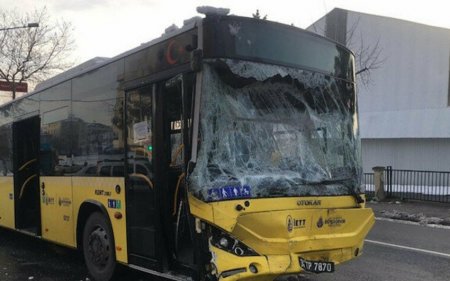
x,y
261,268
275,233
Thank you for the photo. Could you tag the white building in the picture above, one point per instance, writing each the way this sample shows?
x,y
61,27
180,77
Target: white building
x,y
405,109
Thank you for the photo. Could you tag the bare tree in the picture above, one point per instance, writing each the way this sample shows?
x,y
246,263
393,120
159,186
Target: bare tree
x,y
368,57
33,54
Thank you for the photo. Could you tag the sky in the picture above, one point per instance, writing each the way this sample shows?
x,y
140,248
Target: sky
x,y
107,28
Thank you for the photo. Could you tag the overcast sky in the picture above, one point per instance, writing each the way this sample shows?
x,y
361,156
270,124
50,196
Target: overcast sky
x,y
107,28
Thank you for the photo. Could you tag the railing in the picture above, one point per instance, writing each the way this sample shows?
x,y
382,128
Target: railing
x,y
420,185
369,185
412,184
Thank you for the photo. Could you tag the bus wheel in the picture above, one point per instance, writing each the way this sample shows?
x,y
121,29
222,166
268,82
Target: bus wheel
x,y
98,248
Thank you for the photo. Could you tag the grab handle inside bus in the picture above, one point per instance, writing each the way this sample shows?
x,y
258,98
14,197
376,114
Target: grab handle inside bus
x,y
144,177
25,183
26,164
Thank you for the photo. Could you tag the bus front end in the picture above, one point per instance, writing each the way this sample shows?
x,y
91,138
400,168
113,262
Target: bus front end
x,y
276,185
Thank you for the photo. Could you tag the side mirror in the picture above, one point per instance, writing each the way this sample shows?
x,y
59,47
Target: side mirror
x,y
190,167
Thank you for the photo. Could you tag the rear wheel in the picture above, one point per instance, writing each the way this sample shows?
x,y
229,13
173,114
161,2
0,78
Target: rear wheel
x,y
98,247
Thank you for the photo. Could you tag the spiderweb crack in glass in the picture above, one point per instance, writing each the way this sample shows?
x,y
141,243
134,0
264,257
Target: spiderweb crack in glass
x,y
278,131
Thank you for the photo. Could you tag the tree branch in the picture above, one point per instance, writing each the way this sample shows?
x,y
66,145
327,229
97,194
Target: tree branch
x,y
32,54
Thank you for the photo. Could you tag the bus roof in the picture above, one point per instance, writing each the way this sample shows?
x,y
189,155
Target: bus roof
x,y
170,32
99,62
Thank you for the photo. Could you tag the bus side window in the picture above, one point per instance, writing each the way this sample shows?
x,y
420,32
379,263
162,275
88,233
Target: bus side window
x,y
178,91
142,170
177,147
118,171
172,91
3,168
91,171
140,131
105,171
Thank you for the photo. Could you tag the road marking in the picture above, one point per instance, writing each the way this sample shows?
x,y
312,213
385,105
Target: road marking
x,y
409,248
413,223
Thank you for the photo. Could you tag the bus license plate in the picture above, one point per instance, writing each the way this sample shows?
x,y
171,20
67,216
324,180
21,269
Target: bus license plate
x,y
316,266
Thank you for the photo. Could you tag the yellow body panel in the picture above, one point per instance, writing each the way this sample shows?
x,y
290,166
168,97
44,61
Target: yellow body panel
x,y
281,230
266,232
57,211
102,190
7,202
61,201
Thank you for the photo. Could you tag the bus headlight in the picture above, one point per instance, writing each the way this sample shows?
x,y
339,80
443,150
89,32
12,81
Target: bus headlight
x,y
227,243
223,242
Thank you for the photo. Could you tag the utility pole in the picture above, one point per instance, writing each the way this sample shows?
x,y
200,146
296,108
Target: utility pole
x,y
32,24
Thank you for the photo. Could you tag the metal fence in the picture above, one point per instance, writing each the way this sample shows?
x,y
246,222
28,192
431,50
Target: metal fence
x,y
369,185
412,184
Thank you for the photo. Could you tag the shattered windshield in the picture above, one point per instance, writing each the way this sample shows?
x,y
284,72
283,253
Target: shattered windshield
x,y
272,131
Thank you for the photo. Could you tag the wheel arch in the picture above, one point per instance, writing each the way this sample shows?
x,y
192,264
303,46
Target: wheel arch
x,y
87,208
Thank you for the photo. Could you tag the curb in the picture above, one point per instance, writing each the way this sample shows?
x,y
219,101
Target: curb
x,y
413,223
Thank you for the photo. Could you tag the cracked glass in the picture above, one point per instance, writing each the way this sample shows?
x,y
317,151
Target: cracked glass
x,y
273,131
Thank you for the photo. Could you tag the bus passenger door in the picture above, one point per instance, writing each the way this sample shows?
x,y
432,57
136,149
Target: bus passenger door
x,y
26,135
177,95
143,224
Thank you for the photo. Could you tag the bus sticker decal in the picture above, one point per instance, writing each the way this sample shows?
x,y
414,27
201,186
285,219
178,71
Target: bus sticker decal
x,y
114,204
335,221
48,200
142,132
66,202
293,223
309,202
229,192
320,222
174,52
101,192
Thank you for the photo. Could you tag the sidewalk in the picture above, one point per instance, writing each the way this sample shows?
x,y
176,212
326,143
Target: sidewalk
x,y
416,211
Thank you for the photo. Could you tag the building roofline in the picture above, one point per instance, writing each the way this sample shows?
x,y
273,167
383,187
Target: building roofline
x,y
379,16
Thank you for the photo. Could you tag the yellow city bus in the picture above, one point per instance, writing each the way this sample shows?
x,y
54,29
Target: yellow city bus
x,y
227,149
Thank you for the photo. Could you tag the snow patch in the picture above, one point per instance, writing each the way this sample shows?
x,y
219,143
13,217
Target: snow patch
x,y
208,10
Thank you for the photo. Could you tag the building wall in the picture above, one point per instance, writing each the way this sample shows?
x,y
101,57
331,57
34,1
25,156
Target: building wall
x,y
408,95
408,154
414,73
404,111
415,63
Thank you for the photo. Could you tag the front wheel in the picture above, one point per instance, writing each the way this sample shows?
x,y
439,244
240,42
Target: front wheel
x,y
98,247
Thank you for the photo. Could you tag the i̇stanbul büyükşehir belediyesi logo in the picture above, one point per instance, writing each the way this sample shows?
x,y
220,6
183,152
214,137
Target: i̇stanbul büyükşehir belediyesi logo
x,y
331,222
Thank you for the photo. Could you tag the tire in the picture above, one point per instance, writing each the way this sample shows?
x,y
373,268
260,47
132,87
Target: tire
x,y
98,247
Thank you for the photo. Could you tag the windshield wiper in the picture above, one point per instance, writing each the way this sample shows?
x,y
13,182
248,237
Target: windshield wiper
x,y
359,200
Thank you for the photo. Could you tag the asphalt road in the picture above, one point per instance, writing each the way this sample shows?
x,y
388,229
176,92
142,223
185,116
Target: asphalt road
x,y
397,252
394,252
26,258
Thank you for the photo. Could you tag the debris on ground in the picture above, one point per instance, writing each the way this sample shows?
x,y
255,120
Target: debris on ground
x,y
415,211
